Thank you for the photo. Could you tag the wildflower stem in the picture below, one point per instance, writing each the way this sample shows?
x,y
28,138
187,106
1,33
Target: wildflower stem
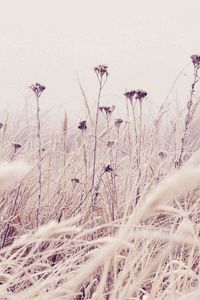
x,y
85,160
129,134
39,161
112,174
136,134
140,140
188,118
139,153
96,130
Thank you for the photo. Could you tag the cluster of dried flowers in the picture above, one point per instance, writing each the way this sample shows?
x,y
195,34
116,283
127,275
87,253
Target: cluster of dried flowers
x,y
37,88
137,94
101,70
107,110
196,60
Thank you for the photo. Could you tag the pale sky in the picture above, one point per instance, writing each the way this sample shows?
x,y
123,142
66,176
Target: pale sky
x,y
145,43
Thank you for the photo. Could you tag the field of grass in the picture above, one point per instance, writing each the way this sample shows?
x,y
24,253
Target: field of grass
x,y
109,210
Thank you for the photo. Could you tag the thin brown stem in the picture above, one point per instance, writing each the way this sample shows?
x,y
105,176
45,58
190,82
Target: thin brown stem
x,y
188,118
96,132
39,162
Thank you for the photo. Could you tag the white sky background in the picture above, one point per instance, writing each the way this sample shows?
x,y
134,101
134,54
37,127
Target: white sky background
x,y
145,44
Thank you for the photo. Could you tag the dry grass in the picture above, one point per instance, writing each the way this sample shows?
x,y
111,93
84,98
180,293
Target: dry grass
x,y
129,231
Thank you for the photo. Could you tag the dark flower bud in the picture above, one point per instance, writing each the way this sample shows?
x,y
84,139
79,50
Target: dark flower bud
x,y
162,154
82,125
118,122
110,144
75,180
16,146
101,108
108,168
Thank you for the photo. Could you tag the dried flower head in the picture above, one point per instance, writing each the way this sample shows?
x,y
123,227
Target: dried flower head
x,y
82,125
16,146
177,164
162,154
140,94
37,88
75,180
130,94
110,144
1,125
108,168
101,70
118,122
107,110
101,108
196,60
